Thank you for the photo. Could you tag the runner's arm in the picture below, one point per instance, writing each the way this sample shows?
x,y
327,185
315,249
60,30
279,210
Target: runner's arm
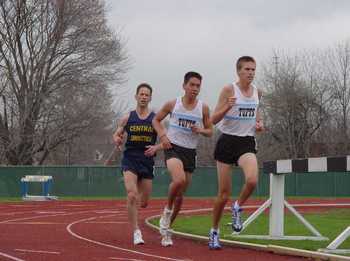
x,y
207,129
224,104
119,133
259,122
158,126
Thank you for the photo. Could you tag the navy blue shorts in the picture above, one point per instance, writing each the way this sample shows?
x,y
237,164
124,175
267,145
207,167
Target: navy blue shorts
x,y
140,165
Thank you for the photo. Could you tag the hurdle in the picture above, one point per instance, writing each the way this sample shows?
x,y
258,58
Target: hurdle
x,y
46,185
277,171
333,246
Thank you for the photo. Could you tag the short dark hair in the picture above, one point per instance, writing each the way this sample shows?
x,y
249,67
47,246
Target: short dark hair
x,y
143,85
243,59
189,75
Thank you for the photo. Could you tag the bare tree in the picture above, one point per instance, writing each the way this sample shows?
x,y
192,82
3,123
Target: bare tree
x,y
58,58
337,60
296,103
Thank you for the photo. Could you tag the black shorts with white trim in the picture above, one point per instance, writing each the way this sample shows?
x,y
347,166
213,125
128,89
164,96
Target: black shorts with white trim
x,y
229,148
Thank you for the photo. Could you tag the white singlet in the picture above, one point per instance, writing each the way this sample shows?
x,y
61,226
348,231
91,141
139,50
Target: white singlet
x,y
181,120
240,120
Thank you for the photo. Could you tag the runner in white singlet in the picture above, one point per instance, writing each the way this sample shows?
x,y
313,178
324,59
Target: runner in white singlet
x,y
189,117
237,117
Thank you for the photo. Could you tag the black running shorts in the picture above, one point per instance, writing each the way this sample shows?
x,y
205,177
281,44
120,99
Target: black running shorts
x,y
229,148
187,156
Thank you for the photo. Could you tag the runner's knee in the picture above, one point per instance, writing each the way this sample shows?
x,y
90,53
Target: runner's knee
x,y
224,196
179,199
132,197
179,182
252,181
144,204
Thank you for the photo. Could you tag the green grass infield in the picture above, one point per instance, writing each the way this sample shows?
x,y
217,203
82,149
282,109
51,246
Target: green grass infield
x,y
330,224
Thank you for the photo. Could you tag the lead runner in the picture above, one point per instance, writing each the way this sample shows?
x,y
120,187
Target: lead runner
x,y
238,119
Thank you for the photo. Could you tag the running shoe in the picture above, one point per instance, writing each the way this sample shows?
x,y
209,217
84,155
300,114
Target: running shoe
x,y
214,240
236,219
138,237
166,238
164,221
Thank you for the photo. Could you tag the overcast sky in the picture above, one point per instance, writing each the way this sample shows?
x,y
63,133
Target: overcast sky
x,y
165,39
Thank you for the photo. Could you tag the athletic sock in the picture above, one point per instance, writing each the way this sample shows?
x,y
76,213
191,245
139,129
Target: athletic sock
x,y
212,230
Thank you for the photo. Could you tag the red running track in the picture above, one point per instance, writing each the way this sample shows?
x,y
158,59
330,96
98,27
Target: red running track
x,y
99,230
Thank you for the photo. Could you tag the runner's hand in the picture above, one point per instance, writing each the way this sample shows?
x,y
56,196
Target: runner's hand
x,y
165,142
151,150
118,141
259,126
230,102
196,129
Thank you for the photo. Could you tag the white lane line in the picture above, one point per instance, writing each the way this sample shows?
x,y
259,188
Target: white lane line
x,y
106,222
15,213
125,259
106,211
37,251
69,229
22,205
49,212
75,205
321,205
45,216
11,257
33,223
63,211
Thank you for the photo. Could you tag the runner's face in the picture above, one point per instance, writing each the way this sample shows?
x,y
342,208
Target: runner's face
x,y
247,72
192,87
143,97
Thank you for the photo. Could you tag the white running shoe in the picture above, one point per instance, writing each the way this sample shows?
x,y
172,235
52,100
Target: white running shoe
x,y
237,223
166,239
138,237
164,221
